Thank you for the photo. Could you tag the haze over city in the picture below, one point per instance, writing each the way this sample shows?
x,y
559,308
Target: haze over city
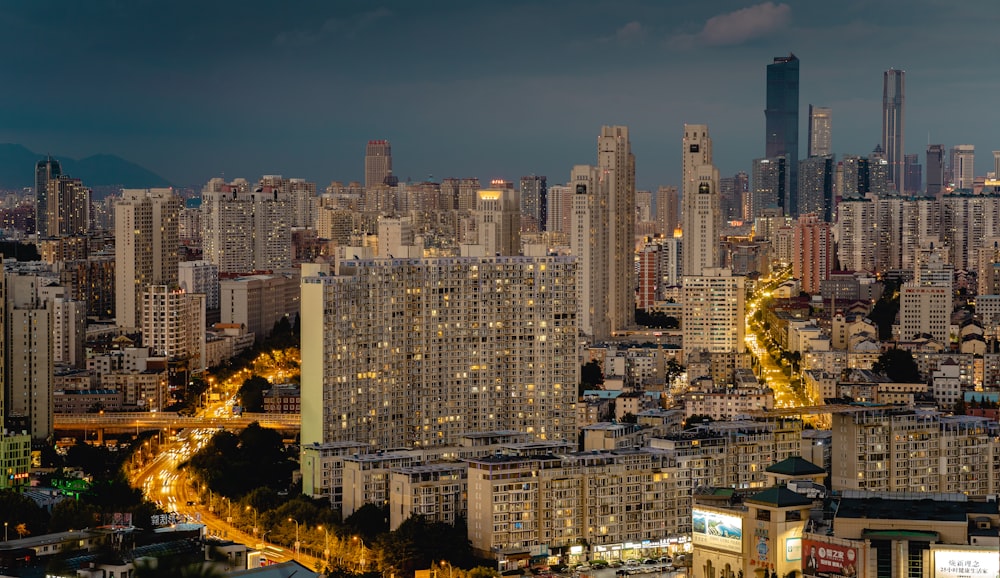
x,y
486,89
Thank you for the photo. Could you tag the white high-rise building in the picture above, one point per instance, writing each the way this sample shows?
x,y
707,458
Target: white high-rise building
x,y
714,312
395,238
701,213
856,235
28,354
69,332
589,243
244,230
498,221
560,208
617,165
200,277
925,309
419,352
145,248
963,168
173,323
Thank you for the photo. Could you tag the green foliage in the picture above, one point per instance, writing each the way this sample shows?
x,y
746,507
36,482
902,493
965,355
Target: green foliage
x,y
175,567
419,544
251,393
233,465
592,375
898,365
16,508
655,319
696,419
369,521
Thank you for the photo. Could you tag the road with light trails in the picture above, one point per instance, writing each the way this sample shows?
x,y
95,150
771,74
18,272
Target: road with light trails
x,y
161,482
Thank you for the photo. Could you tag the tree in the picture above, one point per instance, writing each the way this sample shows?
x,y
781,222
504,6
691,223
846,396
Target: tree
x,y
251,393
369,521
592,375
20,510
674,370
696,420
898,365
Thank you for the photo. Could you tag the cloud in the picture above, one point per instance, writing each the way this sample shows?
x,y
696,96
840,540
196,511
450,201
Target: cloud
x,y
630,33
738,26
348,28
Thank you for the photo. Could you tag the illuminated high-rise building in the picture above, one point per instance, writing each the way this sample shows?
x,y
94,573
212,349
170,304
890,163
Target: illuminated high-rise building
x,y
893,100
820,131
714,312
782,120
701,213
145,249
68,208
617,165
419,352
588,236
378,163
812,251
246,229
45,170
667,210
534,200
498,221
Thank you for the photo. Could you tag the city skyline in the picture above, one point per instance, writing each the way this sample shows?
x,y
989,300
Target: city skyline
x,y
280,91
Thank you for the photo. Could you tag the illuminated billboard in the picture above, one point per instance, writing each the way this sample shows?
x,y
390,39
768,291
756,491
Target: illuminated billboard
x,y
823,559
717,530
951,562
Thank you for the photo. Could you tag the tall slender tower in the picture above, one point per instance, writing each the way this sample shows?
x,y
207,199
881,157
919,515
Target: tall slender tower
x,y
145,248
782,120
378,162
702,211
820,131
45,171
893,89
617,165
935,170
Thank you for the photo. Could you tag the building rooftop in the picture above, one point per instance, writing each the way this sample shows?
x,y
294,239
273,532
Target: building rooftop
x,y
913,509
795,466
779,496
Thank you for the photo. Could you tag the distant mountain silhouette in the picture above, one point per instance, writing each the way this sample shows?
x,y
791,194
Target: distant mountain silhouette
x,y
17,170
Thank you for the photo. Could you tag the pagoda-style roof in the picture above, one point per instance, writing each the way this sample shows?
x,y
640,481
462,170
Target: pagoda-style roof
x,y
780,497
796,466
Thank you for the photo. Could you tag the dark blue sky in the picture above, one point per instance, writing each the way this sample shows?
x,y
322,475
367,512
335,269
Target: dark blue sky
x,y
476,88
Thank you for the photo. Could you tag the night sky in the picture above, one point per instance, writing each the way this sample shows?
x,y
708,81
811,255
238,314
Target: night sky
x,y
192,90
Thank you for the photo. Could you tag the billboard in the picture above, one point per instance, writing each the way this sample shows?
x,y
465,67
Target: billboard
x,y
717,530
823,559
965,563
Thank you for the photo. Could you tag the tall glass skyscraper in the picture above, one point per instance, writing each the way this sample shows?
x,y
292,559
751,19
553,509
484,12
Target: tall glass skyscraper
x,y
893,87
45,171
782,120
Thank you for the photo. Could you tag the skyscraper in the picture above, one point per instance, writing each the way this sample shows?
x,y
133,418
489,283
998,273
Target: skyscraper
x,y
963,159
667,209
714,312
617,165
812,251
913,177
378,162
816,187
67,210
769,185
893,89
534,200
782,120
498,222
419,352
820,131
588,238
935,170
702,212
145,249
244,230
45,170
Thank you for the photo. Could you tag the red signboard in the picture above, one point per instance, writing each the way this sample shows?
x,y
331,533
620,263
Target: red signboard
x,y
822,559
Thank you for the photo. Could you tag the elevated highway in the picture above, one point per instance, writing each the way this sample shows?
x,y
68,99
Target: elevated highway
x,y
142,421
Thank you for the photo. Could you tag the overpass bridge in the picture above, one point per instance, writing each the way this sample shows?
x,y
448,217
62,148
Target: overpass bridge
x,y
142,421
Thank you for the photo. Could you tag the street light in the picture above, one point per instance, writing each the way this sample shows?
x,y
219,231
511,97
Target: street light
x,y
254,520
296,535
361,561
326,544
